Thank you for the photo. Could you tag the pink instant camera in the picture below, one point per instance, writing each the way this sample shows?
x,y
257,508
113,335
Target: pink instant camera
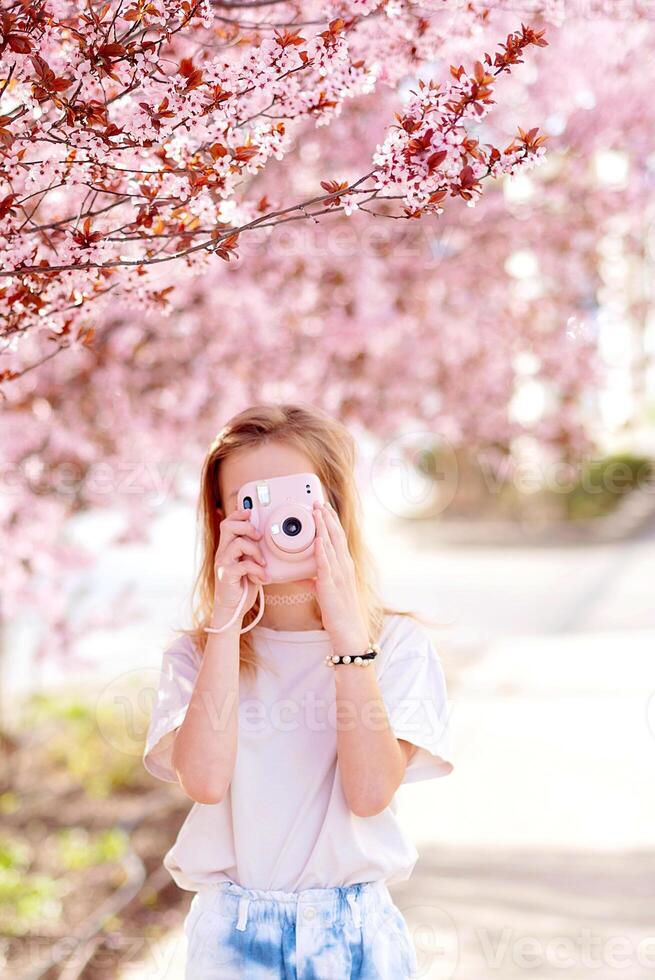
x,y
282,510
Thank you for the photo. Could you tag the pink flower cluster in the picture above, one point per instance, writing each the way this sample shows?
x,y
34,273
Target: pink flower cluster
x,y
431,151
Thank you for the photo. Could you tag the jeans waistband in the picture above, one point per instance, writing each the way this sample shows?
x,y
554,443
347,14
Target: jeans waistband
x,y
308,906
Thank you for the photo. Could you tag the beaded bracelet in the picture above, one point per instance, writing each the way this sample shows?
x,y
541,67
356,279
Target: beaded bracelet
x,y
363,659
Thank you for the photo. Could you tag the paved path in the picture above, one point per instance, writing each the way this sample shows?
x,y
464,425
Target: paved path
x,y
536,853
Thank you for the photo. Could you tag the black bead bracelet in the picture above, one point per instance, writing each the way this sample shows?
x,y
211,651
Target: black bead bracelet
x,y
363,659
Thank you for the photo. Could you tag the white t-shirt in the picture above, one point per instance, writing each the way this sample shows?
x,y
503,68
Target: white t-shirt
x,y
284,823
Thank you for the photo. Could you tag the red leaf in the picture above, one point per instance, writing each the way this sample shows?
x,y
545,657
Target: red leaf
x,y
436,158
112,50
217,150
19,43
225,249
333,187
194,80
186,67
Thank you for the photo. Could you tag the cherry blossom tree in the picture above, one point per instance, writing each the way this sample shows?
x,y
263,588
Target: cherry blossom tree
x,y
383,317
134,134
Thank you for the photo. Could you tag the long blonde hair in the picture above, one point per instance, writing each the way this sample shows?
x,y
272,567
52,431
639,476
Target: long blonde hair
x,y
331,449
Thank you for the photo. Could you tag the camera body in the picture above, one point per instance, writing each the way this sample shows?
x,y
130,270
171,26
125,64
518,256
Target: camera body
x,y
281,508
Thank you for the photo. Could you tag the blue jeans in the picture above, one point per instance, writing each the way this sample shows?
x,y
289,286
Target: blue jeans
x,y
354,932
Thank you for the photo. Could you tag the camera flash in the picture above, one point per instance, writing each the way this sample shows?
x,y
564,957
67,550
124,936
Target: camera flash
x,y
275,528
263,493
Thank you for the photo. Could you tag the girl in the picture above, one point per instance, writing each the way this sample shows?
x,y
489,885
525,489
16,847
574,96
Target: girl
x,y
293,760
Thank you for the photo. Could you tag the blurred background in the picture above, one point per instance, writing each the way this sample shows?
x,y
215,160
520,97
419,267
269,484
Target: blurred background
x,y
497,366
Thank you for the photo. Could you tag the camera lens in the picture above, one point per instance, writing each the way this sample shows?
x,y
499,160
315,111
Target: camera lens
x,y
291,527
247,503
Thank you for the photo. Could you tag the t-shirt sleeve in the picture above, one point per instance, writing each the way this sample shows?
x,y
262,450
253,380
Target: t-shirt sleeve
x,y
179,670
413,688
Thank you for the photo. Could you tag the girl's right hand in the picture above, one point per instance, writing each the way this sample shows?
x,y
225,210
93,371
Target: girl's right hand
x,y
238,555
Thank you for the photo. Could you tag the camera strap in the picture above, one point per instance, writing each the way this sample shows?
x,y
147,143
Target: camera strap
x,y
239,608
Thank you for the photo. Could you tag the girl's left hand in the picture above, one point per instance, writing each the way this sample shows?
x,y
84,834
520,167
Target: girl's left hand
x,y
335,585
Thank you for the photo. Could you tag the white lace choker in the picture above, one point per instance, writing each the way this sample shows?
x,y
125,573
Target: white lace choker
x,y
289,600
